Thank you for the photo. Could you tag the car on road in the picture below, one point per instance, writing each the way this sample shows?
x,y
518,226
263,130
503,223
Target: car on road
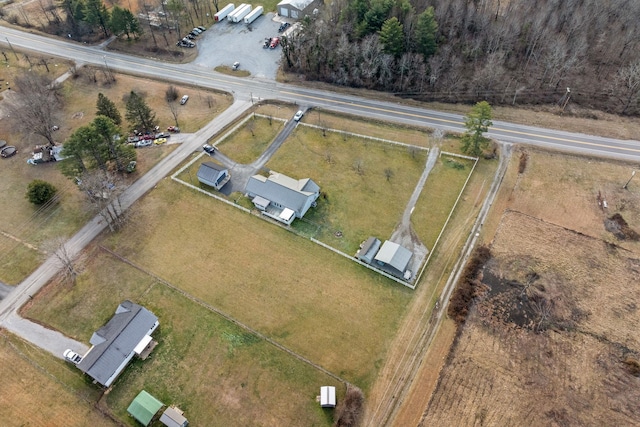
x,y
174,129
298,115
235,66
144,143
159,141
209,148
72,356
184,99
8,151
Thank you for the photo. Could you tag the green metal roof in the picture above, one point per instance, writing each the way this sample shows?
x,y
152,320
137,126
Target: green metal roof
x,y
144,407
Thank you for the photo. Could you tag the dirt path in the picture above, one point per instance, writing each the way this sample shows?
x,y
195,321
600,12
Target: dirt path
x,y
420,327
404,235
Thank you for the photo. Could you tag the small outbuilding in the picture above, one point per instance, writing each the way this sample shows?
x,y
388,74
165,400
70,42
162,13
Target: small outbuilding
x,y
144,407
368,250
297,9
328,397
394,259
213,175
173,417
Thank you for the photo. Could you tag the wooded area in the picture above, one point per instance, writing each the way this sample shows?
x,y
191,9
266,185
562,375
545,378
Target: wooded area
x,y
506,52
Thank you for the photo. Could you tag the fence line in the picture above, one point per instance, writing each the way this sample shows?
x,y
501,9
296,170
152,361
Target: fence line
x,y
462,156
373,138
235,205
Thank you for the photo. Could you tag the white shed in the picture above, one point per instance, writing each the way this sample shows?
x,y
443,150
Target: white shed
x,y
328,396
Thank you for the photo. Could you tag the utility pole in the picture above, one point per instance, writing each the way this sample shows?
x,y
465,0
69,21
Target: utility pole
x,y
566,100
633,173
11,47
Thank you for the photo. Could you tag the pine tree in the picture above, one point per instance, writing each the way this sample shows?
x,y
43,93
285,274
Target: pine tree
x,y
477,123
392,37
139,115
426,33
106,107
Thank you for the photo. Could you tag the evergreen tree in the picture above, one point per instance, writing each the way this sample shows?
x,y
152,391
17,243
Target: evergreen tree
x,y
392,37
138,114
106,107
96,14
477,123
124,22
110,139
426,33
40,192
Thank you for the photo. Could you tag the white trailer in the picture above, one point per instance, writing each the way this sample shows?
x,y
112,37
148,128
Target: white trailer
x,y
255,14
234,11
222,13
241,13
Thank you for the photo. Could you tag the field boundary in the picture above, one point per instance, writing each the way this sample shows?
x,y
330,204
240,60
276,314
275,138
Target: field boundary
x,y
225,316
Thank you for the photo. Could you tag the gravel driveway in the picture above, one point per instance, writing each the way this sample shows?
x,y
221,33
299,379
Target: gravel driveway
x,y
225,43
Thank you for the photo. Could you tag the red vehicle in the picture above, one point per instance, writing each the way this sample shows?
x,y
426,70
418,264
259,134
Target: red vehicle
x,y
274,42
174,129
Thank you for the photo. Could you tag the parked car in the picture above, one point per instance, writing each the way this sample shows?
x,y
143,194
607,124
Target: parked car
x,y
209,148
274,42
196,30
174,129
8,151
72,356
131,166
163,135
184,99
267,42
283,26
190,36
235,66
144,143
133,138
201,28
298,115
159,141
3,144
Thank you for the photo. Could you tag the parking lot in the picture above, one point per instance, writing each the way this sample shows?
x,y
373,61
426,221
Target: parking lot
x,y
225,43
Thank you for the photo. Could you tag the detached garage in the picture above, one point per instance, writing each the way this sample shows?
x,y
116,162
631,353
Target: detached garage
x,y
297,9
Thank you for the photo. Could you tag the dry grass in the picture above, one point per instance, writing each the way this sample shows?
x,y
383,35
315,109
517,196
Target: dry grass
x,y
561,376
250,140
38,390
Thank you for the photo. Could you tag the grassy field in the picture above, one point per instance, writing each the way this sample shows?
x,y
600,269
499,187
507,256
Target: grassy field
x,y
205,364
38,389
250,140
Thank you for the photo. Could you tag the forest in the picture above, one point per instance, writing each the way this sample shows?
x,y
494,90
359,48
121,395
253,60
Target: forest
x,y
502,51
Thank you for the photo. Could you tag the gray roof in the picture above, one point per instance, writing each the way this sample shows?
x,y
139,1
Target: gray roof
x,y
283,190
369,249
394,255
115,341
173,418
209,173
298,4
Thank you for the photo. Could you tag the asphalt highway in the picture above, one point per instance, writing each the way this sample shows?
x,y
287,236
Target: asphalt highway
x,y
254,89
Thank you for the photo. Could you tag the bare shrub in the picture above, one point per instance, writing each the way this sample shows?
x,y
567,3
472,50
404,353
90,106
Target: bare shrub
x,y
466,289
619,228
633,365
522,165
171,94
349,410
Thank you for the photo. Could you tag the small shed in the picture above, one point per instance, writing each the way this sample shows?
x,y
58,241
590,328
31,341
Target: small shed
x,y
368,250
393,258
144,407
328,396
213,175
173,417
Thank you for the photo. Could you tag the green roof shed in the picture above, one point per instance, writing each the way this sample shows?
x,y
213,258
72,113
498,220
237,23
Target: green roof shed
x,y
144,407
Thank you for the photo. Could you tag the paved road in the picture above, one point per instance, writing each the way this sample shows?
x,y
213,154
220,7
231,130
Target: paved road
x,y
257,88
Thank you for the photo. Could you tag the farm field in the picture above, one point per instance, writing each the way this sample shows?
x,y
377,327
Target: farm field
x,y
38,390
558,301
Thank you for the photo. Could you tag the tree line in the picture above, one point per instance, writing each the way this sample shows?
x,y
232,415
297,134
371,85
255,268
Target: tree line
x,y
514,52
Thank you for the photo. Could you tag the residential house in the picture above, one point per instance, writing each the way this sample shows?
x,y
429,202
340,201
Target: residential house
x,y
213,175
281,197
128,333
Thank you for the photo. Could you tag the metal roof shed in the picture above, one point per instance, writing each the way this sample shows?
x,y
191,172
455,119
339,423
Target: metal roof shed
x,y
144,407
368,250
173,417
328,396
393,255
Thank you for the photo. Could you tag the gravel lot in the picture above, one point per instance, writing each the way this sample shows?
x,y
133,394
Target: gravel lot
x,y
226,42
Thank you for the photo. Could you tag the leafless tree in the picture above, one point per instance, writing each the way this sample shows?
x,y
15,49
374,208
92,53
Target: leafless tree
x,y
174,107
36,110
388,174
58,247
358,166
103,190
210,100
626,86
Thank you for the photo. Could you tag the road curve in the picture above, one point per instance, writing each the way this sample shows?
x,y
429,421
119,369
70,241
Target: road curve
x,y
251,89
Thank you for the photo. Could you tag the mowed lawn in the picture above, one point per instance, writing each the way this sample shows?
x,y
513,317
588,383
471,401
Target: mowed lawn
x,y
438,197
38,390
218,373
330,310
365,184
251,139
